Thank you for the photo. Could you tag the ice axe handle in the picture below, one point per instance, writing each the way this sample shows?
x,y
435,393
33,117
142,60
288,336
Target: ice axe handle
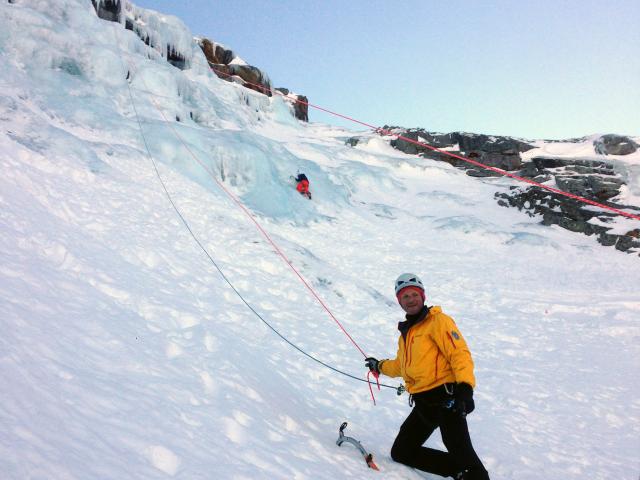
x,y
341,434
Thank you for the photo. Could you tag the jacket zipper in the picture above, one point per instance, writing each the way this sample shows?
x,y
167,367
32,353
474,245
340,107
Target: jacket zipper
x,y
407,350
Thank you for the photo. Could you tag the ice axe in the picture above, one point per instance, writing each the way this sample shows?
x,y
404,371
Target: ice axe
x,y
343,438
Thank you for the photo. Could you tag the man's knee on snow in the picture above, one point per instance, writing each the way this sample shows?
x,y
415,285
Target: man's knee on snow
x,y
400,454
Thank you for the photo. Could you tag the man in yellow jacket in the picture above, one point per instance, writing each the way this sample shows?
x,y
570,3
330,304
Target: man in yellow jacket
x,y
437,368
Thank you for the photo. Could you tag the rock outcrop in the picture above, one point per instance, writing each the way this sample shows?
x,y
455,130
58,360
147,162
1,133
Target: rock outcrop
x,y
226,65
612,144
220,60
300,106
494,151
112,11
572,215
594,179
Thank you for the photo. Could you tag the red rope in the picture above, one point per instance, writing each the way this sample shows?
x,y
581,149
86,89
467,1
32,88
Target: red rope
x,y
264,233
444,152
376,376
258,226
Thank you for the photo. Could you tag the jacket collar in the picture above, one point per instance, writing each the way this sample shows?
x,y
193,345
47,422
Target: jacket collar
x,y
412,320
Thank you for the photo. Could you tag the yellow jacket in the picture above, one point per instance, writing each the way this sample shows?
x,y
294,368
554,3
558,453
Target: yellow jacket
x,y
433,353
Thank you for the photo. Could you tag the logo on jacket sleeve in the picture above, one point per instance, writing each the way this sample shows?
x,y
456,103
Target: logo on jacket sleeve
x,y
455,335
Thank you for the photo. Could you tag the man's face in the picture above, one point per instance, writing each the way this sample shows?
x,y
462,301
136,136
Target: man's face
x,y
411,301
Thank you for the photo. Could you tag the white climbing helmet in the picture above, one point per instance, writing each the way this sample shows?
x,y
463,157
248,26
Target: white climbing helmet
x,y
408,280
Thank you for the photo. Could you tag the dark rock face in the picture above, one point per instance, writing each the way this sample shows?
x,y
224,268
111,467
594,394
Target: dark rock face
x,y
216,54
594,180
570,214
614,145
422,136
507,160
109,10
248,76
220,60
175,58
301,105
473,142
494,151
591,179
301,108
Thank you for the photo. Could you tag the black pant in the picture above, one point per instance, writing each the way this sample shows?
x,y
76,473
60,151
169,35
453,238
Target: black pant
x,y
427,415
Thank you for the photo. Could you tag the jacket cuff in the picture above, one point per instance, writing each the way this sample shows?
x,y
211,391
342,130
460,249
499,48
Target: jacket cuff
x,y
380,364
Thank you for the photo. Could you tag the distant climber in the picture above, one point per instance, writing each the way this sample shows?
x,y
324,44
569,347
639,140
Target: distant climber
x,y
303,185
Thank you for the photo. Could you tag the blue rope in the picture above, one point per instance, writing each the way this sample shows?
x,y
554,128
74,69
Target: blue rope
x,y
213,262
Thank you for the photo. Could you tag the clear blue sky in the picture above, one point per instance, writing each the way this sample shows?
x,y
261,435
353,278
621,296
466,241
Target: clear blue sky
x,y
535,69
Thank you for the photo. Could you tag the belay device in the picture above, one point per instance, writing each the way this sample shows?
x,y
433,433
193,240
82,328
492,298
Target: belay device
x,y
343,438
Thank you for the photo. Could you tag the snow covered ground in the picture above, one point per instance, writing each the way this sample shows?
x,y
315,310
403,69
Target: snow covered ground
x,y
125,354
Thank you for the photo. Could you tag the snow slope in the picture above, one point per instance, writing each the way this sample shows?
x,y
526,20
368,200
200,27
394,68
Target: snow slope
x,y
126,354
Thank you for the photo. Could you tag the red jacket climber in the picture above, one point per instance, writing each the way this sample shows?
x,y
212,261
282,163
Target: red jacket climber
x,y
303,185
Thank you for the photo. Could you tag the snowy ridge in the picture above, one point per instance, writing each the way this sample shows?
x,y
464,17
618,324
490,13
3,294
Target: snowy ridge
x,y
124,354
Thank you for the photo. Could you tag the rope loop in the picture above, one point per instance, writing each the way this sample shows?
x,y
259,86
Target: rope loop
x,y
376,376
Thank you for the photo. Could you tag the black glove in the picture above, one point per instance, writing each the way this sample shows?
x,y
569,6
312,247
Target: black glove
x,y
463,399
373,364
